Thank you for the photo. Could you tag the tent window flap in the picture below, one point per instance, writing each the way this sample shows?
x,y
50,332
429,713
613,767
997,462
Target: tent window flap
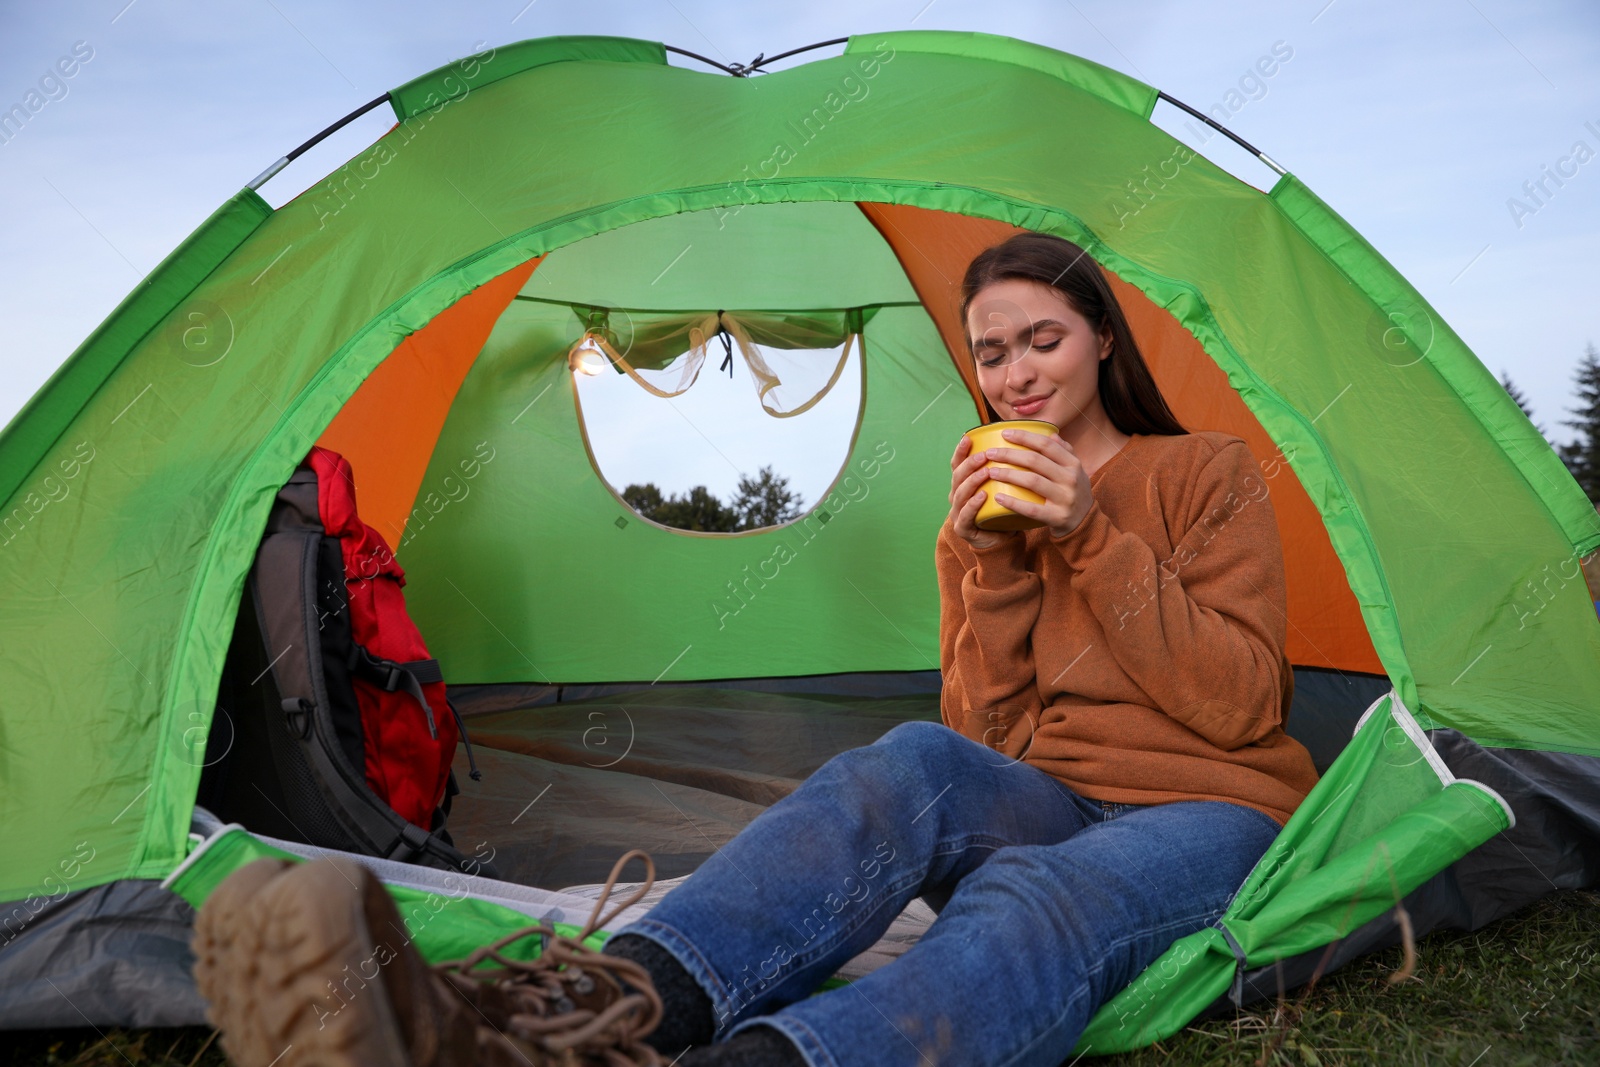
x,y
663,351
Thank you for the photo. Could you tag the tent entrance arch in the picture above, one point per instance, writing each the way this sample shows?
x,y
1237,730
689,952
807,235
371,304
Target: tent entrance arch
x,y
1327,633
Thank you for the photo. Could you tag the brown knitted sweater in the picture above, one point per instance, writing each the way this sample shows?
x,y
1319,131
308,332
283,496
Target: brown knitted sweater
x,y
1140,658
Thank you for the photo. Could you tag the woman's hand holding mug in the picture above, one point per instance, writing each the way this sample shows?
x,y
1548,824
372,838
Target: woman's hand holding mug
x,y
967,474
1052,470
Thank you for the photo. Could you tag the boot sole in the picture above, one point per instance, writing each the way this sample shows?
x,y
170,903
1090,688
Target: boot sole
x,y
289,968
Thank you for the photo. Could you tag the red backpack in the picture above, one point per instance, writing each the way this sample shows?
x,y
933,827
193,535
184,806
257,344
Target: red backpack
x,y
333,726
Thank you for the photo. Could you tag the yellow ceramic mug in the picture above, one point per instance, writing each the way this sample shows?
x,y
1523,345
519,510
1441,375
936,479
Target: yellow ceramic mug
x,y
992,515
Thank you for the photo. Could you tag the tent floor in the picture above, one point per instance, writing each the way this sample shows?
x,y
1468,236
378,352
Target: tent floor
x,y
574,776
677,771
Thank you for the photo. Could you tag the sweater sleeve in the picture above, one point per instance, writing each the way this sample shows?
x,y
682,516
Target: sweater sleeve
x,y
1202,633
988,604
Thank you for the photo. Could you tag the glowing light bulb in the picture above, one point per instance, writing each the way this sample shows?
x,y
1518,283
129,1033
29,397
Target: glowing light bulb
x,y
589,359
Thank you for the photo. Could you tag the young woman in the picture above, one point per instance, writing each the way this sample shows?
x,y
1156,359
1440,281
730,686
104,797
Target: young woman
x,y
1111,764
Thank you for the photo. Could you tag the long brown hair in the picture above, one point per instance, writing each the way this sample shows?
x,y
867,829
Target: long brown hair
x,y
1129,394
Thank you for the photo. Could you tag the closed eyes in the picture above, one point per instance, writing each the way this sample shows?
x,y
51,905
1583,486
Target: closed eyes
x,y
1043,348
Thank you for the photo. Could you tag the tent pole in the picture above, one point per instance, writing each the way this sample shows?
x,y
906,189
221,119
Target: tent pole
x,y
1235,138
760,62
695,55
743,70
738,71
261,179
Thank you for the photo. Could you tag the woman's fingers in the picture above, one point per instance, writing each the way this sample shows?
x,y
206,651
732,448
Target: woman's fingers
x,y
961,487
978,475
969,485
1027,479
962,475
962,453
1023,457
969,516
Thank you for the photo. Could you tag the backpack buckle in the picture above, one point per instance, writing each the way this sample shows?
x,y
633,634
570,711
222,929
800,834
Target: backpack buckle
x,y
297,714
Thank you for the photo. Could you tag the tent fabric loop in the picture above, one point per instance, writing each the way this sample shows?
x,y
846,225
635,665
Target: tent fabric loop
x,y
1241,964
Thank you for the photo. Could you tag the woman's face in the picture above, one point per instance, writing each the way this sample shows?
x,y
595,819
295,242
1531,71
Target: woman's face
x,y
1030,343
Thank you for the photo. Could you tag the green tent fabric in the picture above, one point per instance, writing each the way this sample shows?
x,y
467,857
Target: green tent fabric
x,y
137,481
1387,817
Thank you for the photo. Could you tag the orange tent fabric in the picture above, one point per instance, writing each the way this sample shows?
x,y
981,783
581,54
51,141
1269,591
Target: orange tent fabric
x,y
1325,624
388,429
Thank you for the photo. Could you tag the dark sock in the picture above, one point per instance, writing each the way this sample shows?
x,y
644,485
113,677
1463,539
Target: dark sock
x,y
686,1016
759,1046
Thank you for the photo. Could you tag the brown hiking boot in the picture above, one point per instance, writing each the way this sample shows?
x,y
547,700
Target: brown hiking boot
x,y
311,964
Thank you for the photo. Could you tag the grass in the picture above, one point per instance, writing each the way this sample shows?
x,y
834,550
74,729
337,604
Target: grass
x,y
1524,990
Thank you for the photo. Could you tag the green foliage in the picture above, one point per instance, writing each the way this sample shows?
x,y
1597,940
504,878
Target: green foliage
x,y
1582,456
761,501
645,499
766,501
700,510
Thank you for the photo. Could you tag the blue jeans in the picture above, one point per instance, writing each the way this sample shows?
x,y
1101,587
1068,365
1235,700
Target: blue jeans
x,y
1048,904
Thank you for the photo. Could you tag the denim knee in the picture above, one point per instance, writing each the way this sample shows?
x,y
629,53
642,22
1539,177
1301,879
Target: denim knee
x,y
925,742
881,775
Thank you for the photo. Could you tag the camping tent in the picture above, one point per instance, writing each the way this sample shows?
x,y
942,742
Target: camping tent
x,y
417,310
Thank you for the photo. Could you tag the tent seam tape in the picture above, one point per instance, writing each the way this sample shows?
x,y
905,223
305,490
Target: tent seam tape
x,y
1365,715
201,849
1402,715
1511,816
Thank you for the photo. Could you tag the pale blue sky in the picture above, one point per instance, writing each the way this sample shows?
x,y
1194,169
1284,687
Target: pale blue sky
x,y
1416,121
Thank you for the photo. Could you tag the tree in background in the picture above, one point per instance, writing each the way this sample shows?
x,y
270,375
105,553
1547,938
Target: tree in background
x,y
645,499
766,501
700,510
762,501
1582,456
1522,401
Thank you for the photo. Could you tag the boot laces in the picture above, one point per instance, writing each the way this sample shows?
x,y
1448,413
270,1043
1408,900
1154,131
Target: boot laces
x,y
542,988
